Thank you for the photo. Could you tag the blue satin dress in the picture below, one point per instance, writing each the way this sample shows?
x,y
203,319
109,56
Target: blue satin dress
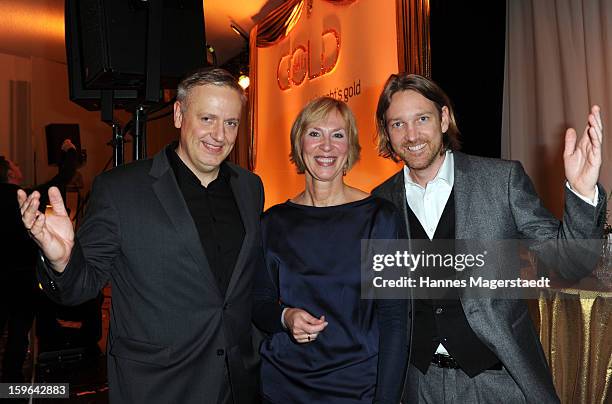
x,y
313,263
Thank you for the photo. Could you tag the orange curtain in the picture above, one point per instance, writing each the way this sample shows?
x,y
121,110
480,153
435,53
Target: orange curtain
x,y
278,23
252,97
413,48
339,2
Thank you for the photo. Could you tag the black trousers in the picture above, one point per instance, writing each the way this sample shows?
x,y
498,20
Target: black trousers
x,y
18,297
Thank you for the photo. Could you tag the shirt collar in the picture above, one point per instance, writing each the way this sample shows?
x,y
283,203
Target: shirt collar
x,y
184,173
446,173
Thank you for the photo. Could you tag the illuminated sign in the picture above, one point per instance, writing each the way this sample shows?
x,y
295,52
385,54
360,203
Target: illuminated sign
x,y
294,67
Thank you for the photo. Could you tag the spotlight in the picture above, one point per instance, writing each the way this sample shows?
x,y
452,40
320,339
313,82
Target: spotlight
x,y
211,55
244,81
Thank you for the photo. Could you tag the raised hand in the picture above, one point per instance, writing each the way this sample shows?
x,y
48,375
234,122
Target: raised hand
x,y
67,145
582,158
303,327
53,232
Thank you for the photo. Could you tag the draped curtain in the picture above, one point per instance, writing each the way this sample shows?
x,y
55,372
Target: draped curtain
x,y
413,50
558,63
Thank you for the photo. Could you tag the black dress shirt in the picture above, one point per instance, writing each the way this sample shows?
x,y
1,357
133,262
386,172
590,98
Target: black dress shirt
x,y
216,217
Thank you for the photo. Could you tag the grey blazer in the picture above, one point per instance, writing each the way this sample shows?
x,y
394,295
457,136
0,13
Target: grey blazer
x,y
171,329
495,199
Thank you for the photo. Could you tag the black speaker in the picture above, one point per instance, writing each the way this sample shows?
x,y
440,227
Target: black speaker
x,y
87,98
114,41
56,134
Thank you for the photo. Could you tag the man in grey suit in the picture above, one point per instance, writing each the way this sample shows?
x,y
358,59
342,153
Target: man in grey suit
x,y
476,350
178,237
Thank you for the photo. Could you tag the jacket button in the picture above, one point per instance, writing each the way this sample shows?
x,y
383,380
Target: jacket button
x,y
439,310
53,286
220,352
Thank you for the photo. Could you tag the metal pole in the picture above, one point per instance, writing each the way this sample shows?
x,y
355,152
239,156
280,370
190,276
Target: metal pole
x,y
139,133
117,145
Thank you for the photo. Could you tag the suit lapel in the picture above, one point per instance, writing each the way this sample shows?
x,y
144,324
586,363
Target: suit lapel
x,y
167,191
398,197
249,221
463,195
464,191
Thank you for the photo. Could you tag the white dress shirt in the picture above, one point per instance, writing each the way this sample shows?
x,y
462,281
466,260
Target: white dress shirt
x,y
428,203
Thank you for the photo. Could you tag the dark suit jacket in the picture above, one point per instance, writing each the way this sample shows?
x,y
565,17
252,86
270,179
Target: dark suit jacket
x,y
171,329
495,199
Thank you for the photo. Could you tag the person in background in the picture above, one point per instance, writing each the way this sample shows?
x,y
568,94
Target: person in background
x,y
67,167
470,350
17,278
326,344
18,289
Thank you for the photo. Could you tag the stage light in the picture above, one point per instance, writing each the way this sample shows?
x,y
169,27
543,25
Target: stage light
x,y
211,55
244,81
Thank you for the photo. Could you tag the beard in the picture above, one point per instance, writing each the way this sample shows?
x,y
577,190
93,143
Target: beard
x,y
424,160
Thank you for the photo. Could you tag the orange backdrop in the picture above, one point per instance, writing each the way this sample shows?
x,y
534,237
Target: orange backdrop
x,y
343,49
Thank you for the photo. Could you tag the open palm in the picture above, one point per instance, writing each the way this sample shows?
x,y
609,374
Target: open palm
x,y
53,231
582,158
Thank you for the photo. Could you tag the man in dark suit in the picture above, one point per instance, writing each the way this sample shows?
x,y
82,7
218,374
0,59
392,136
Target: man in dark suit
x,y
476,350
178,237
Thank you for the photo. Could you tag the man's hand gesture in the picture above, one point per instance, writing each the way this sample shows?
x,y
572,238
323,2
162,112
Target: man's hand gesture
x,y
582,159
53,232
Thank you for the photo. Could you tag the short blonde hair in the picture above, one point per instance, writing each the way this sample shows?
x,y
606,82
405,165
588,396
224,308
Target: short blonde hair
x,y
315,111
207,76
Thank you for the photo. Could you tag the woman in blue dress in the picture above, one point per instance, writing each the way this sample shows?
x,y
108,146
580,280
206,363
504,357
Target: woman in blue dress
x,y
325,343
